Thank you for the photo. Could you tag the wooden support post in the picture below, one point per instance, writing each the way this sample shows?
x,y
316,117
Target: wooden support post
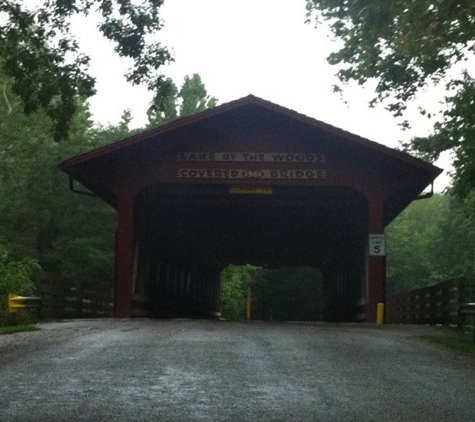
x,y
376,276
124,259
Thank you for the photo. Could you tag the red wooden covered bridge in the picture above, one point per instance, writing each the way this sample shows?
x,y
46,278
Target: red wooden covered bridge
x,y
248,182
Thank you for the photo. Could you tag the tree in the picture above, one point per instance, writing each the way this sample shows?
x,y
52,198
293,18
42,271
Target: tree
x,y
16,276
410,260
408,46
194,97
43,62
235,280
454,246
431,241
164,105
39,218
169,103
281,294
292,293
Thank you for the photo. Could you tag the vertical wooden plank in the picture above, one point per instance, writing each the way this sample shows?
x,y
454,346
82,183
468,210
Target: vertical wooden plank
x,y
125,258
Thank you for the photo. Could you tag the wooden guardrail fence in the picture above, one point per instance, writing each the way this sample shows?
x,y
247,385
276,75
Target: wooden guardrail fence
x,y
438,304
74,298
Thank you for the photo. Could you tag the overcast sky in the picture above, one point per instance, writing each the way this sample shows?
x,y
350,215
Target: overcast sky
x,y
259,47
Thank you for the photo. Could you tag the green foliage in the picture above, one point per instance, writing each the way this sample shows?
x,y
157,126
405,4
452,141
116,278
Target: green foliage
x,y
39,217
18,329
42,58
83,245
289,294
408,46
455,133
164,105
17,277
235,280
284,294
462,342
169,103
194,97
404,44
431,241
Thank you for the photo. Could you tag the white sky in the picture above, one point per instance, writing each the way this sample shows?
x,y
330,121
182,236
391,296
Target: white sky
x,y
259,47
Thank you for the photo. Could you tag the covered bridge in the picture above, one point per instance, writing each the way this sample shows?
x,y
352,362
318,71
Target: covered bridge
x,y
248,182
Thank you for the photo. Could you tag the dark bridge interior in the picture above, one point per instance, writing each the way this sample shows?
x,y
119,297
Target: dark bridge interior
x,y
202,229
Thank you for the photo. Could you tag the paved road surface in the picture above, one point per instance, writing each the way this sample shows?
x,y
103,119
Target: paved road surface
x,y
144,370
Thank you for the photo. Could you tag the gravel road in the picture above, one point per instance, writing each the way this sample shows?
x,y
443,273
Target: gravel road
x,y
185,370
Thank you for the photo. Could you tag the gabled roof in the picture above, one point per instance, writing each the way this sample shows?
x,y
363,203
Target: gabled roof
x,y
87,168
236,104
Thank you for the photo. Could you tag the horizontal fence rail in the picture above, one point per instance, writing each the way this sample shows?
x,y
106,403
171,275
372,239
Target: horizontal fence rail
x,y
438,304
75,298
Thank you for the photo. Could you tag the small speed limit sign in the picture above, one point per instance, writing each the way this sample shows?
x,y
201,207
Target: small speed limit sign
x,y
377,245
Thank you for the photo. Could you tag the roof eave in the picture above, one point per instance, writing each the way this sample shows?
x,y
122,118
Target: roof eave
x,y
233,105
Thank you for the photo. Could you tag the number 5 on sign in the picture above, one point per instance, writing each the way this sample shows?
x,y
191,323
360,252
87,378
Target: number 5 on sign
x,y
377,245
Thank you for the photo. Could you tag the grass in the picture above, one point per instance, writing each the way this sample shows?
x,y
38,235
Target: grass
x,y
458,341
17,329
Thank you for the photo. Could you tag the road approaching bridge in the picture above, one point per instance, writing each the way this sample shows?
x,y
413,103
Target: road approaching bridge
x,y
190,370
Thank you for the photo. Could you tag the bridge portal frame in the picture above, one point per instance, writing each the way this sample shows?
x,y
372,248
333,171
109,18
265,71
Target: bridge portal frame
x,y
387,179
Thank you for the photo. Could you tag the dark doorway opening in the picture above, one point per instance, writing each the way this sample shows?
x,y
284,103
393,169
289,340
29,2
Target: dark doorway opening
x,y
186,235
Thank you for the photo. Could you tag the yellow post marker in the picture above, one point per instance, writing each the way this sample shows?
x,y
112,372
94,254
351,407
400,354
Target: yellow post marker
x,y
15,303
248,313
380,314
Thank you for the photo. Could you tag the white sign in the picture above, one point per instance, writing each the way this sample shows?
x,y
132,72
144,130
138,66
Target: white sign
x,y
266,174
377,245
252,157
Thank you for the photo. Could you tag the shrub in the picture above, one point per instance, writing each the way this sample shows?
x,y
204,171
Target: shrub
x,y
16,276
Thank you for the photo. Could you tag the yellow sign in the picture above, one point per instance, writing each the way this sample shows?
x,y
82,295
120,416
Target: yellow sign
x,y
250,190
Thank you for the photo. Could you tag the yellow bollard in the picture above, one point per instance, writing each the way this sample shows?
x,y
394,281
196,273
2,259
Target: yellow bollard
x,y
15,303
248,311
380,314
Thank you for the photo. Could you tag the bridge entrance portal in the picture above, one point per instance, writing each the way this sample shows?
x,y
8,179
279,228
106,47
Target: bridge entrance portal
x,y
249,182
